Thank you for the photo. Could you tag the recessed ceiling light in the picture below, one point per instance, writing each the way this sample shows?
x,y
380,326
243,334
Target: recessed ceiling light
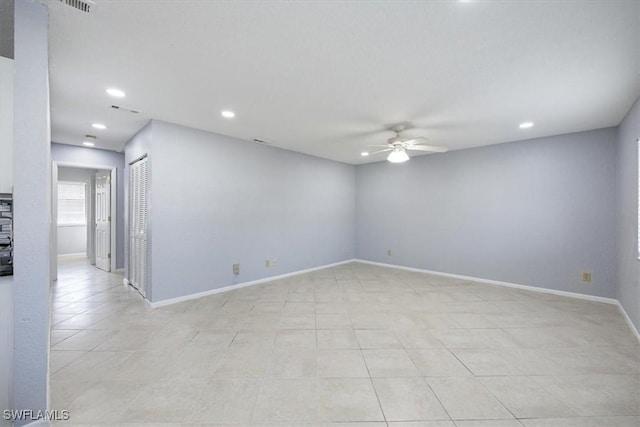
x,y
228,114
526,125
99,126
364,153
88,143
115,92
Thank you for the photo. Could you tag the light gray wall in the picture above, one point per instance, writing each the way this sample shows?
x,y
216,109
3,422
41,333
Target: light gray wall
x,y
72,239
75,174
535,212
6,124
71,154
218,200
627,214
32,195
6,346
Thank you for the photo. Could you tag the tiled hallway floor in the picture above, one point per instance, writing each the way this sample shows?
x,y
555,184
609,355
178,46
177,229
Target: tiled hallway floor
x,y
355,345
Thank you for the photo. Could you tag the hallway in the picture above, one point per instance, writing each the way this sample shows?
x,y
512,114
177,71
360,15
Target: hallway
x,y
93,314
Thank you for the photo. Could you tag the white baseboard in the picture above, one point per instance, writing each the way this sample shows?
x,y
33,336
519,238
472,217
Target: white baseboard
x,y
613,301
498,283
605,300
119,270
170,301
629,322
73,255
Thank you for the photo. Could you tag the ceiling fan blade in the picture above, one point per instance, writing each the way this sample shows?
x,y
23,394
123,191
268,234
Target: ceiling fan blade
x,y
414,141
427,148
386,145
380,151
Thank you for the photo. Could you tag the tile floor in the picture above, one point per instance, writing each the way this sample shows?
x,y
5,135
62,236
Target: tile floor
x,y
356,345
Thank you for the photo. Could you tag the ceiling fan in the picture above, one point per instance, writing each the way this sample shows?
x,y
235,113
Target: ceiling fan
x,y
398,146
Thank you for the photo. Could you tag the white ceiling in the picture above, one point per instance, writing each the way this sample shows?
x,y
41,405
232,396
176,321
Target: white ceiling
x,y
326,78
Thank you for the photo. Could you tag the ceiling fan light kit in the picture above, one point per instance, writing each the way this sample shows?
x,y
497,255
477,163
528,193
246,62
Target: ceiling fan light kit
x,y
398,156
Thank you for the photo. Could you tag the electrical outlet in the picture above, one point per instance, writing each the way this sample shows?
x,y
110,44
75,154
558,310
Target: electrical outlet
x,y
267,263
236,269
586,277
388,252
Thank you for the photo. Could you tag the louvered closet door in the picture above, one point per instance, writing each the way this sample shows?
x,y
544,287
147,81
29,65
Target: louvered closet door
x,y
138,228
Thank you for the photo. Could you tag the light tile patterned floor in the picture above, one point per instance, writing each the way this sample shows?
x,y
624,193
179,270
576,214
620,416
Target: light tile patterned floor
x,y
356,345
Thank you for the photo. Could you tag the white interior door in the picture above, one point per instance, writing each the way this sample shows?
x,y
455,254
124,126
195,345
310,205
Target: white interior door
x,y
103,221
138,225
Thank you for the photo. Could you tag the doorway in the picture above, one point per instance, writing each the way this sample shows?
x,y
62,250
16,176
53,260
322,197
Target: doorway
x,y
83,207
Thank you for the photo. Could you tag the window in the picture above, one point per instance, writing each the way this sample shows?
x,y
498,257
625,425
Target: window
x,y
71,203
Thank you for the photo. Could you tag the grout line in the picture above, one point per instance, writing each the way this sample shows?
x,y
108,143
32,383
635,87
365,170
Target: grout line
x,y
558,397
384,416
461,362
438,398
496,397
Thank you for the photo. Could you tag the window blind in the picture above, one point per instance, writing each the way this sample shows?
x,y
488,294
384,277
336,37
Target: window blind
x,y
71,203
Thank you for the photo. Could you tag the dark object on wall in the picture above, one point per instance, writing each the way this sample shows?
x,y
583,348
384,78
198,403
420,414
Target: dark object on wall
x,y
6,234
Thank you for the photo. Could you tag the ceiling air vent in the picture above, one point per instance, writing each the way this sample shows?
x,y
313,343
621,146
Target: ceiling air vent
x,y
81,5
121,108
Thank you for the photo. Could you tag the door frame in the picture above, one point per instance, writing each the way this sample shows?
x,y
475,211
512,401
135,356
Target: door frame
x,y
54,209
